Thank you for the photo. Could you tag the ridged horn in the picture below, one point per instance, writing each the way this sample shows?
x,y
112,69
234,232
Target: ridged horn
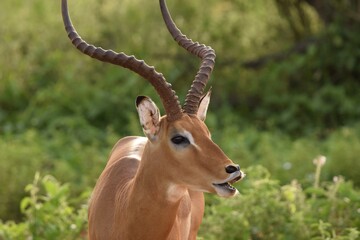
x,y
163,88
205,53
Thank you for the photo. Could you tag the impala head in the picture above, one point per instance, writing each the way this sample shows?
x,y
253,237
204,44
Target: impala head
x,y
192,158
180,136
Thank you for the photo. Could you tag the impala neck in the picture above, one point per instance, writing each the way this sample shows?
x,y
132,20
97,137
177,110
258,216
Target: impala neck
x,y
154,198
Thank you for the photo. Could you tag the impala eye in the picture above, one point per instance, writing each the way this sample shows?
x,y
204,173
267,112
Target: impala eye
x,y
180,140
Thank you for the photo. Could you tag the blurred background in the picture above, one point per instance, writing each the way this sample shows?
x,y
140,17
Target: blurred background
x,y
285,90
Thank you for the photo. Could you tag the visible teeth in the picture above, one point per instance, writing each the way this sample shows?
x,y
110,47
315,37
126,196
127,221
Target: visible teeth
x,y
231,187
226,185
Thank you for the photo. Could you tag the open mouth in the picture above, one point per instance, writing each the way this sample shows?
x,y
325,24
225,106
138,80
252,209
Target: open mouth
x,y
225,189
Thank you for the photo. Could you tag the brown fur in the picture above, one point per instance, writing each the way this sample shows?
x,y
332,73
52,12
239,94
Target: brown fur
x,y
151,190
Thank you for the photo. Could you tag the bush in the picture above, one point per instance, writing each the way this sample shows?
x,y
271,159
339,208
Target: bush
x,y
49,213
267,210
285,157
60,153
61,113
20,158
264,210
314,92
78,155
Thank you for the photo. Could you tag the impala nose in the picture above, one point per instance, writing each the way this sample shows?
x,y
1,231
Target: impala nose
x,y
232,168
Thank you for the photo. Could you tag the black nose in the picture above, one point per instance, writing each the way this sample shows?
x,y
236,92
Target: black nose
x,y
232,168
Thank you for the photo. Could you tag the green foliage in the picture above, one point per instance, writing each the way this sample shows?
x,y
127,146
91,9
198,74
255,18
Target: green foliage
x,y
60,112
48,213
314,92
264,210
267,210
20,157
289,159
60,154
311,92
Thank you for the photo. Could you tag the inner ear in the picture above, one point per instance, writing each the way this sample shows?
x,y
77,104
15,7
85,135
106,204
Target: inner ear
x,y
203,106
149,116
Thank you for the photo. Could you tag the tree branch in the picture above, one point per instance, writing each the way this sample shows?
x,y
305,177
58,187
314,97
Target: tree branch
x,y
299,48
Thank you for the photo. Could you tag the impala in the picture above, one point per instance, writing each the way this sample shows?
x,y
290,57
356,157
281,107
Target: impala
x,y
152,187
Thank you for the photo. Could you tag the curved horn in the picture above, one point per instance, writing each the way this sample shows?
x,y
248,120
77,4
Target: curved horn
x,y
205,53
163,88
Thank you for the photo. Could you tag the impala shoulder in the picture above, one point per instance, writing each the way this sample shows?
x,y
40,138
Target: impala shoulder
x,y
130,147
131,142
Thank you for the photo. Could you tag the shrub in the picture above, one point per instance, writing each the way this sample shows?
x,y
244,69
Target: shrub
x,y
21,156
267,210
60,153
49,213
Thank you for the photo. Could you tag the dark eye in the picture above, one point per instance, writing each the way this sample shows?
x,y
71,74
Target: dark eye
x,y
178,140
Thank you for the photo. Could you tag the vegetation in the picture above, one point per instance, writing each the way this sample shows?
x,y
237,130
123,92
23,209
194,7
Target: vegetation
x,y
48,213
285,90
264,210
267,210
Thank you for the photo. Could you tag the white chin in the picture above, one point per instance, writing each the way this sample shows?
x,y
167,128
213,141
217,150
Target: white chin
x,y
226,193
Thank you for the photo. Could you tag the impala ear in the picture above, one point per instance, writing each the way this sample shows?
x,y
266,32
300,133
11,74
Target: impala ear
x,y
149,116
203,106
